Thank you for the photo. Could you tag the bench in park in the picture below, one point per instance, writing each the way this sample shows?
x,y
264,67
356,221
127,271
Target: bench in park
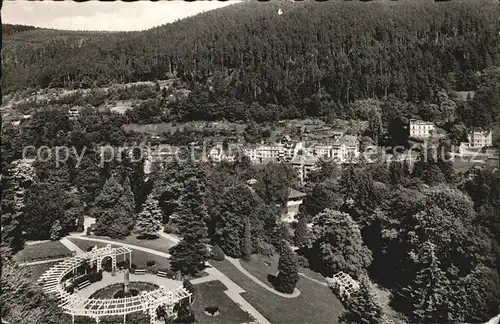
x,y
83,284
140,271
162,274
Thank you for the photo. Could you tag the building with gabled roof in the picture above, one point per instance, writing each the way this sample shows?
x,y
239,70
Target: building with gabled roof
x,y
304,165
295,199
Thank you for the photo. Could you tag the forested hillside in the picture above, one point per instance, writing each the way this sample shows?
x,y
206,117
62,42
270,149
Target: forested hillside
x,y
321,52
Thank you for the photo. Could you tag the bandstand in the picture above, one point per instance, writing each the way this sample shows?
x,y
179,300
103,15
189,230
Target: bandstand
x,y
74,305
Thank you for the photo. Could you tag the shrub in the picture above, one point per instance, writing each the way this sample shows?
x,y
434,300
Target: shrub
x,y
188,286
122,265
107,265
170,228
150,263
98,275
152,269
170,273
265,249
302,261
70,289
217,254
80,227
93,276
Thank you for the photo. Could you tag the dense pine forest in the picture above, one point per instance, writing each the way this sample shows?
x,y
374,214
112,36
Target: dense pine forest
x,y
325,53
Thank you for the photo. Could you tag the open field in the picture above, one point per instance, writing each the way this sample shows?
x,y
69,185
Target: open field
x,y
42,251
316,303
211,294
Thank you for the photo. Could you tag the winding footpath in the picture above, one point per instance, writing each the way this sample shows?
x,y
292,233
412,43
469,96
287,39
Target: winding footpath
x,y
238,266
313,280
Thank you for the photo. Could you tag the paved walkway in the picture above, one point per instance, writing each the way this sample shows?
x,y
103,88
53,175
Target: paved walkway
x,y
233,290
71,246
87,221
35,242
238,266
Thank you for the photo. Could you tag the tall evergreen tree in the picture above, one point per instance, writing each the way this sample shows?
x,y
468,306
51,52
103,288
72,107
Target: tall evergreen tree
x,y
363,308
396,172
302,234
430,292
288,274
246,250
12,233
190,254
55,230
149,220
236,207
114,209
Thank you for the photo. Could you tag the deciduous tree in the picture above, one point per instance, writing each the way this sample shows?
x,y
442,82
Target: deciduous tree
x,y
338,243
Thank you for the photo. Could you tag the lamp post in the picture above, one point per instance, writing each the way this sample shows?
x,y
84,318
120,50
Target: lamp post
x,y
126,282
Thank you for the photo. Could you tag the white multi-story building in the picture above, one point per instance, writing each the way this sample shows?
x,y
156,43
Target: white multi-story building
x,y
273,152
304,165
218,154
343,149
346,150
321,150
420,128
478,138
74,113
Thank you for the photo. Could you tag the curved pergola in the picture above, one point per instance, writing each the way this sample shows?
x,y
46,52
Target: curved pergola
x,y
74,305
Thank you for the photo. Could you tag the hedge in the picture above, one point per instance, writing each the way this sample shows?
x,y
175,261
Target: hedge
x,y
217,254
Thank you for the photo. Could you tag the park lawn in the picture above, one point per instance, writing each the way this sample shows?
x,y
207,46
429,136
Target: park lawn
x,y
316,304
211,294
313,274
109,292
159,244
257,266
138,257
35,271
42,251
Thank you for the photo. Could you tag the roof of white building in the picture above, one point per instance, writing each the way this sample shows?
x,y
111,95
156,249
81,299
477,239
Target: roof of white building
x,y
292,193
304,159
